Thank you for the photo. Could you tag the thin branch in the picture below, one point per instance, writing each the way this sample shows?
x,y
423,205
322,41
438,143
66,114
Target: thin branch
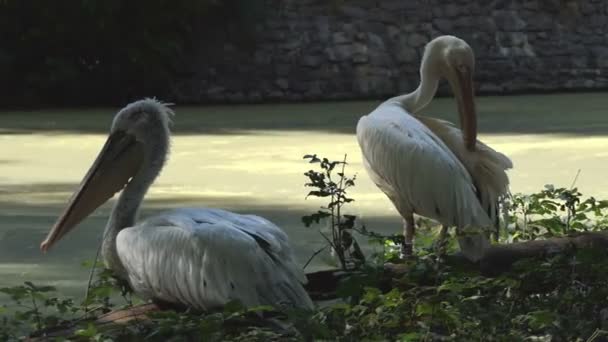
x,y
86,313
575,179
91,273
332,245
339,215
597,333
327,239
314,255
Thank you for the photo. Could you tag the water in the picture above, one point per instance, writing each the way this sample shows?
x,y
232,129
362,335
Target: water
x,y
249,159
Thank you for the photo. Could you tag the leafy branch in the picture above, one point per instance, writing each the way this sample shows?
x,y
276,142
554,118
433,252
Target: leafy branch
x,y
332,183
553,212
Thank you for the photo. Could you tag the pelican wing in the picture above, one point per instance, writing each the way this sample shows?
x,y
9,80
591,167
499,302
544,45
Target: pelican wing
x,y
416,169
207,257
486,166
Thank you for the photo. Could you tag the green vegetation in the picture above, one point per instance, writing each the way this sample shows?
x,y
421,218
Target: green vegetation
x,y
554,212
341,226
558,298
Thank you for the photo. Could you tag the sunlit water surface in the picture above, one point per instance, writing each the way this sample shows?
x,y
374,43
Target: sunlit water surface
x,y
249,159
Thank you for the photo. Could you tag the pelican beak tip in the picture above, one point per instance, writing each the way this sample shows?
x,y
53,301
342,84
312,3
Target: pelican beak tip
x,y
44,246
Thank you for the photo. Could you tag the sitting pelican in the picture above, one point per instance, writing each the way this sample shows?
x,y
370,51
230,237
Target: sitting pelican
x,y
199,258
429,167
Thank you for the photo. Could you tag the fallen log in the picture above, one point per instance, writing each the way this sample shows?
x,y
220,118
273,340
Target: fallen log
x,y
500,258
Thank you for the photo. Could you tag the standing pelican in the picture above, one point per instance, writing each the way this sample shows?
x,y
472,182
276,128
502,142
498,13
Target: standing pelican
x,y
200,258
429,167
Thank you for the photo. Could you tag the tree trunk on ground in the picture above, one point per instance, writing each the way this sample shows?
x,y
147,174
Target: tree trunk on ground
x,y
499,258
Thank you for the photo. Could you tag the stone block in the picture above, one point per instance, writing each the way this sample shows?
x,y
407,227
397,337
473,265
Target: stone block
x,y
451,10
282,83
375,41
311,61
406,54
339,38
508,20
352,11
417,40
444,25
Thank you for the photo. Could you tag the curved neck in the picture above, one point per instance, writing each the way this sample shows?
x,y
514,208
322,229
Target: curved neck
x,y
124,214
422,96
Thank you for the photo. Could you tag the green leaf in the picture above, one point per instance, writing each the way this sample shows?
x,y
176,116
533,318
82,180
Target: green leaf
x,y
89,332
411,337
261,309
424,308
451,287
341,306
233,306
541,319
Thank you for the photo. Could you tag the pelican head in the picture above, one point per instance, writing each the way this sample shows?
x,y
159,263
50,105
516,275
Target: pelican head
x,y
132,157
452,58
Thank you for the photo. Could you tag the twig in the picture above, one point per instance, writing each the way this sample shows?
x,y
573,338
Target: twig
x,y
575,179
597,333
331,244
339,216
314,255
91,273
85,314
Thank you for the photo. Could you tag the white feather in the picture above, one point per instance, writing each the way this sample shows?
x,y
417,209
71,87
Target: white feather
x,y
486,166
205,258
417,171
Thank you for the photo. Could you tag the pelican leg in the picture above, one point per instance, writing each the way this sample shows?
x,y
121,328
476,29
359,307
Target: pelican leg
x,y
409,229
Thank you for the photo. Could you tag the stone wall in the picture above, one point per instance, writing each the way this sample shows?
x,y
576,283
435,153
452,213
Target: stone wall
x,y
332,49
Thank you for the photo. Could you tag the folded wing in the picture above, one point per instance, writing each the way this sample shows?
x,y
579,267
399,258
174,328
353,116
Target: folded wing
x,y
417,170
205,258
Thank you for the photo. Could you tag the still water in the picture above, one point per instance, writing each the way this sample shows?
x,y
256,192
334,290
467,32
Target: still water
x,y
249,159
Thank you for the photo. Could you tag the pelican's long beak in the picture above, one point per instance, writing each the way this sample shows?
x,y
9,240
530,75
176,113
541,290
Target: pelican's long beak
x,y
119,160
466,107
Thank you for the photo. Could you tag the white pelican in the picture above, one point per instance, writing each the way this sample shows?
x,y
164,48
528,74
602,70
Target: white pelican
x,y
200,258
429,167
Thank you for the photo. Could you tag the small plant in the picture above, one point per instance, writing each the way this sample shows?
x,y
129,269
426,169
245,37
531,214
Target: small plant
x,y
34,309
553,212
333,186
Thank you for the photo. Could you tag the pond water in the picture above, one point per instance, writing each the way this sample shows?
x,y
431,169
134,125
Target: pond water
x,y
249,159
